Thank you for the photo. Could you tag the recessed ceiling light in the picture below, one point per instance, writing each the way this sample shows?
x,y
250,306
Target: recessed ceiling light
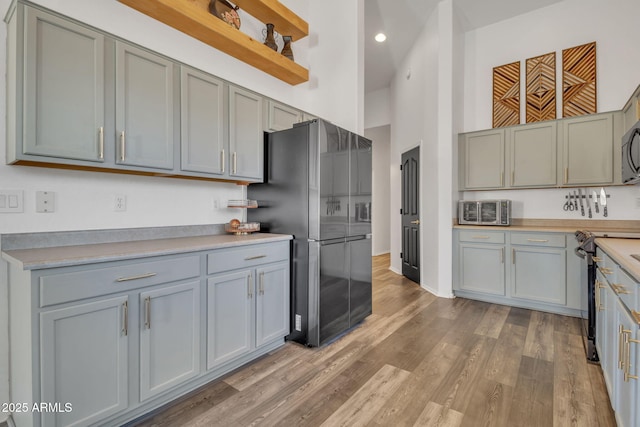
x,y
380,37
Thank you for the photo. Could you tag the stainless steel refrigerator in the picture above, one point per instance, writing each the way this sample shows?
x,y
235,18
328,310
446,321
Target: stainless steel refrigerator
x,y
318,188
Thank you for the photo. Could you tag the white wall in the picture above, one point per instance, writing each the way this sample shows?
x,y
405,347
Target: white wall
x,y
613,25
380,137
84,200
378,108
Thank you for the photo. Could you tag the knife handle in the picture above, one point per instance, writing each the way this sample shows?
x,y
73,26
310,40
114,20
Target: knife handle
x,y
605,211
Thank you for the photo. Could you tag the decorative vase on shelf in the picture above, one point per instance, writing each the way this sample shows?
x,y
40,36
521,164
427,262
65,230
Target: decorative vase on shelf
x,y
286,49
269,39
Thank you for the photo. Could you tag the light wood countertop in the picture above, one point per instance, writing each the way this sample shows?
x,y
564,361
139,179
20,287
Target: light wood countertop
x,y
620,250
64,256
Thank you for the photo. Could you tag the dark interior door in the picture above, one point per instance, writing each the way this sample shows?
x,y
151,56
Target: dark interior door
x,y
411,214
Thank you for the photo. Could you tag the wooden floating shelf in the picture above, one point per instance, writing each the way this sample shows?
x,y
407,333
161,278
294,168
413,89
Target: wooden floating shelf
x,y
192,17
285,22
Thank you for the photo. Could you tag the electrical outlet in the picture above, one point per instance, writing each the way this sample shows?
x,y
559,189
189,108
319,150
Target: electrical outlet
x,y
120,203
216,204
637,202
45,201
298,323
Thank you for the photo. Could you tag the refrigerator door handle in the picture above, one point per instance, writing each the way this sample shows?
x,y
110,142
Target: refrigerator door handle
x,y
361,237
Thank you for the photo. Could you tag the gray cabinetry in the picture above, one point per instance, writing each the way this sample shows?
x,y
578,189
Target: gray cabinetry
x,y
202,123
63,105
631,111
85,361
533,150
539,267
280,117
626,377
588,150
229,316
169,337
144,108
247,300
246,136
527,269
482,156
481,262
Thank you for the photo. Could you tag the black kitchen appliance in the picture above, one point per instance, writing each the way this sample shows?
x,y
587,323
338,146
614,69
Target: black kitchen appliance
x,y
317,187
587,250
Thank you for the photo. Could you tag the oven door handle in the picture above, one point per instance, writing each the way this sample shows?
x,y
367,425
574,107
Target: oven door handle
x,y
580,252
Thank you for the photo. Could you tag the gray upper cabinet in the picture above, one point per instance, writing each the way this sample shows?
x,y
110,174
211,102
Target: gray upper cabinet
x,y
482,159
202,123
144,108
533,152
588,150
63,89
631,111
280,117
246,138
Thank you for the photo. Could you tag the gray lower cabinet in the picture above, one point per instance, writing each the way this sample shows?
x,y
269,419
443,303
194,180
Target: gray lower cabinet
x,y
539,267
229,316
203,147
249,307
111,341
144,108
61,114
533,270
618,337
246,146
169,337
84,361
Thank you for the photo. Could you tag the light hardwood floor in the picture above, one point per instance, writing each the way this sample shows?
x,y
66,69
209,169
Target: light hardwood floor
x,y
417,360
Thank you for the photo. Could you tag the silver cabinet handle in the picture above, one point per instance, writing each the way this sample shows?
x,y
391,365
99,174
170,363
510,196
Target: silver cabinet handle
x,y
480,237
101,143
249,258
513,256
250,285
147,313
222,160
501,255
261,283
125,318
140,276
235,162
537,240
122,146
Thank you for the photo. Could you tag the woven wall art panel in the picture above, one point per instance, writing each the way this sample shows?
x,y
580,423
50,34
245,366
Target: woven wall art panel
x,y
579,80
541,88
506,95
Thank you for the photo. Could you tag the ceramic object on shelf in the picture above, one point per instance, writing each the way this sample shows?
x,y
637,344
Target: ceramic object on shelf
x,y
286,49
225,11
269,38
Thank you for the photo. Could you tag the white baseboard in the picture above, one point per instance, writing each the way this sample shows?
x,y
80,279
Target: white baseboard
x,y
381,253
395,270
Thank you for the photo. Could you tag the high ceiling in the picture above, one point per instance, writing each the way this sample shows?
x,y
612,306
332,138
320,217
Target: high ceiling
x,y
403,20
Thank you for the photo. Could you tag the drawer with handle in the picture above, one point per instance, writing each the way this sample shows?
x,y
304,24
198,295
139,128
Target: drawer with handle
x,y
554,240
627,289
246,256
77,285
481,236
607,266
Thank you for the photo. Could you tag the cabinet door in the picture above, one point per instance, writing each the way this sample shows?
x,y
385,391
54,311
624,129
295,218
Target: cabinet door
x,y
482,268
360,297
229,316
84,361
588,148
539,274
483,160
169,337
246,137
202,123
272,310
64,89
281,117
610,331
600,291
626,404
144,108
533,151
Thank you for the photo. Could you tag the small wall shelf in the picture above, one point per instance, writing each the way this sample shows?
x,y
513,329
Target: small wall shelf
x,y
192,17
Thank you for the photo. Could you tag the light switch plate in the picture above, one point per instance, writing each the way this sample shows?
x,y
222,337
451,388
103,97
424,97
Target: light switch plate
x,y
11,201
45,201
